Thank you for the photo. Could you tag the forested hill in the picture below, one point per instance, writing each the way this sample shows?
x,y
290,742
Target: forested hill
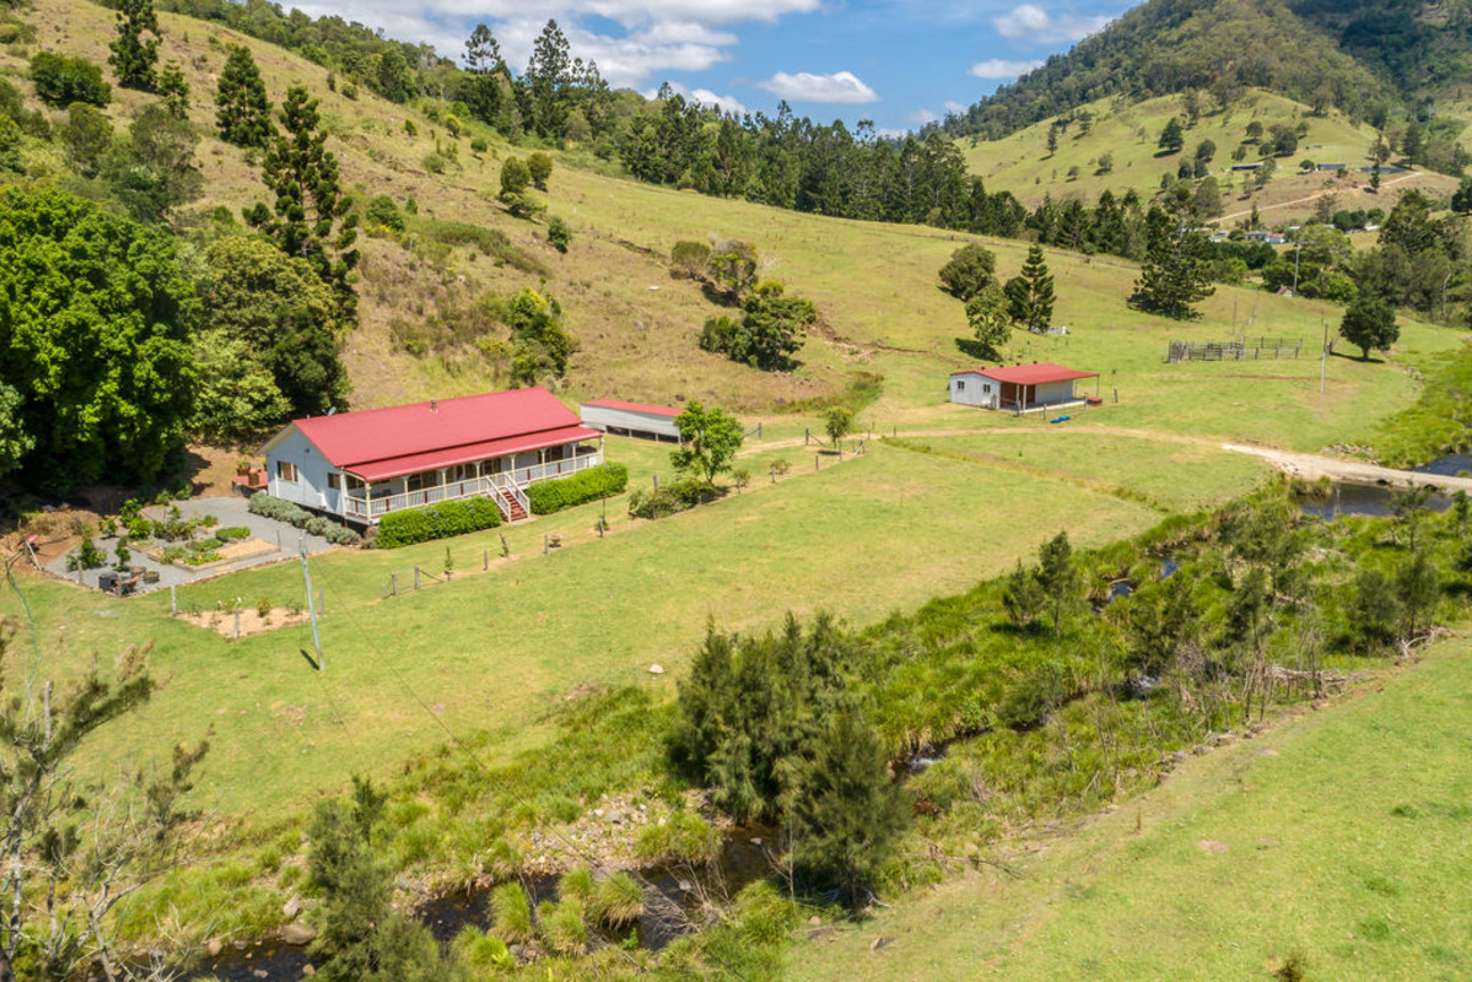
x,y
1363,56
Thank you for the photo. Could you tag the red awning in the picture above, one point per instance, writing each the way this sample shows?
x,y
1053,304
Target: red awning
x,y
382,470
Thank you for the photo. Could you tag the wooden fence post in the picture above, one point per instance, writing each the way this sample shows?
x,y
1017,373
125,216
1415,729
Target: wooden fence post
x,y
321,607
807,436
237,623
173,598
485,560
416,577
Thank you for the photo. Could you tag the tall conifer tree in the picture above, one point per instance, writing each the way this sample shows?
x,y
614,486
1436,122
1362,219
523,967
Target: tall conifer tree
x,y
312,217
134,58
243,114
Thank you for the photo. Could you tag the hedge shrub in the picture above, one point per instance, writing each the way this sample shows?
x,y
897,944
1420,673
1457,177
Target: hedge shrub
x,y
589,485
403,528
62,80
284,511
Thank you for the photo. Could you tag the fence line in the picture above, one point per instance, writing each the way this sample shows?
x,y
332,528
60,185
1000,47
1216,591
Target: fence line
x,y
1240,349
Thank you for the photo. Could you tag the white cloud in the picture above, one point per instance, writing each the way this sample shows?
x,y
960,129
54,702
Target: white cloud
x,y
889,133
725,103
952,106
923,116
839,88
658,35
1032,24
1002,68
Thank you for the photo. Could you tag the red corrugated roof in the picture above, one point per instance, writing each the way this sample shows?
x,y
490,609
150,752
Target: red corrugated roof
x,y
351,441
1038,373
635,407
382,470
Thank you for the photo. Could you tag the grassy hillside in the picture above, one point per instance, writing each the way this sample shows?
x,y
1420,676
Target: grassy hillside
x,y
1340,839
1128,133
746,560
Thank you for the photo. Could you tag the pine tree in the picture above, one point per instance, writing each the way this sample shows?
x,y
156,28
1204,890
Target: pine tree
x,y
1177,271
1023,598
547,77
174,90
134,58
1172,138
243,116
484,71
1030,295
312,217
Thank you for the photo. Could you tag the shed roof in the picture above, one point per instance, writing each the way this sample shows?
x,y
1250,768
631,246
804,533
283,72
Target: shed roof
x,y
635,407
1038,373
396,440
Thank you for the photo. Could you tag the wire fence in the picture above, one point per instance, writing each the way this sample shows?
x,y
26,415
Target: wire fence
x,y
1239,349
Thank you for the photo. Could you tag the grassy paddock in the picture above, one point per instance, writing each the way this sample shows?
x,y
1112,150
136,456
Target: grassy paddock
x,y
1342,839
492,651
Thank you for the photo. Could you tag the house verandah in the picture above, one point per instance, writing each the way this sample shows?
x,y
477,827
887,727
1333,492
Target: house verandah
x,y
360,466
502,478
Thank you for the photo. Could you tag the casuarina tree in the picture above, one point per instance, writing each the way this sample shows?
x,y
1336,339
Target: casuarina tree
x,y
243,112
312,219
134,58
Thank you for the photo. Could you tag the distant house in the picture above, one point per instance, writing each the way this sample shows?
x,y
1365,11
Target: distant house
x,y
1019,388
360,466
1271,238
631,419
1254,166
1333,167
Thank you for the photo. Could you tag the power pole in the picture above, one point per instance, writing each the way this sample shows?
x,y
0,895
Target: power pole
x,y
311,606
1323,355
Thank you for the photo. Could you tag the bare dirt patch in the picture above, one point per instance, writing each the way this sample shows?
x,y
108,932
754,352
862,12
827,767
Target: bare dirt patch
x,y
223,622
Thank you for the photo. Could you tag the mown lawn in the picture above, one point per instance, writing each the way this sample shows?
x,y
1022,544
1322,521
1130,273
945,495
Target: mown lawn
x,y
1343,838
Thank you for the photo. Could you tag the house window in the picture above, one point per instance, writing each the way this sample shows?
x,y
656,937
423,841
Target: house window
x,y
986,388
286,471
334,481
960,385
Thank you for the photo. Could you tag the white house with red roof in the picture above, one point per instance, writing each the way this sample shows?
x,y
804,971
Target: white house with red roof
x,y
361,465
631,418
1018,388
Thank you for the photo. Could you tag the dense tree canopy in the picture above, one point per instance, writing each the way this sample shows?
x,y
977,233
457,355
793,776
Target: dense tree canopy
x,y
285,317
95,317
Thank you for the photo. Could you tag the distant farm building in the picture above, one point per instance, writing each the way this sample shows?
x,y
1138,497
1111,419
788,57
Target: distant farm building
x,y
1271,238
362,465
1255,166
1333,167
1018,388
631,419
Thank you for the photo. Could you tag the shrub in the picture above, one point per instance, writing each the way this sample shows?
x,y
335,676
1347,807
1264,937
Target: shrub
x,y
232,533
539,168
551,496
558,234
382,211
284,511
62,80
87,556
563,926
676,496
618,900
441,521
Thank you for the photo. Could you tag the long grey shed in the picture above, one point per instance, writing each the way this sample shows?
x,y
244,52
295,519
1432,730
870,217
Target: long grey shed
x,y
631,419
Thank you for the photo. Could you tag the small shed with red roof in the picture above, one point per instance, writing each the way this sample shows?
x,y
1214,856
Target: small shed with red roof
x,y
631,419
362,465
1018,388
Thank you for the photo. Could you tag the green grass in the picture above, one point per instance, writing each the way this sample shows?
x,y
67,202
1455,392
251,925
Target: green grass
x,y
1342,838
1129,132
1179,477
494,651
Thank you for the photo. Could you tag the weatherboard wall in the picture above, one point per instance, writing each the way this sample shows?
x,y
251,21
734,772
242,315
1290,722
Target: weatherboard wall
x,y
310,487
974,390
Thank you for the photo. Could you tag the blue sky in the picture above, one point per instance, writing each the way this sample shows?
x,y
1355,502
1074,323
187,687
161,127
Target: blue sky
x,y
897,62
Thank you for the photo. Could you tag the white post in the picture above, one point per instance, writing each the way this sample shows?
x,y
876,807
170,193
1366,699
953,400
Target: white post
x,y
311,607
